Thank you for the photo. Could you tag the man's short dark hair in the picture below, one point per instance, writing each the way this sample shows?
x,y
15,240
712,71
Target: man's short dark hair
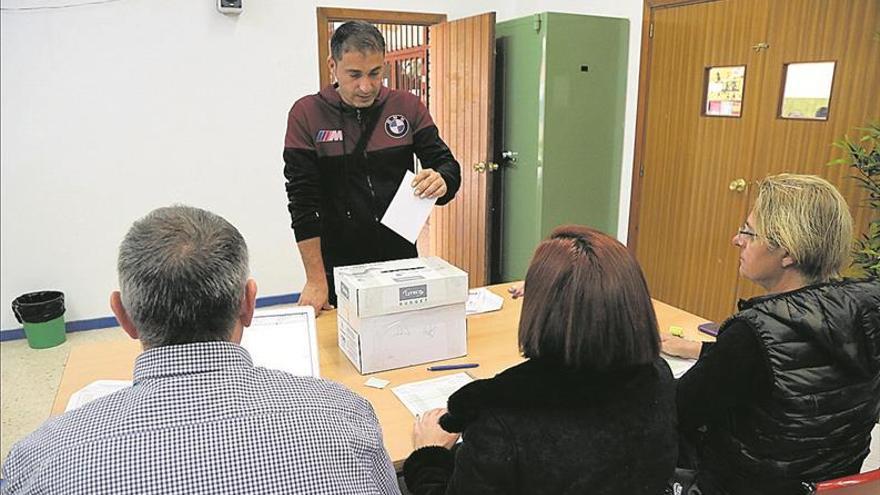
x,y
182,276
356,35
587,305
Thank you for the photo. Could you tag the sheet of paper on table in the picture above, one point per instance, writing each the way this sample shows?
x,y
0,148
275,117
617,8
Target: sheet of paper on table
x,y
679,365
483,300
422,396
407,213
95,390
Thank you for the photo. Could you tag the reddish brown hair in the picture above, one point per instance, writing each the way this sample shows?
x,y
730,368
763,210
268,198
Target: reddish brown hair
x,y
587,303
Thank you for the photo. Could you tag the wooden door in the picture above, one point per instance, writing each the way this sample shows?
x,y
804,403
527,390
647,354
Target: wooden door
x,y
462,71
686,214
842,31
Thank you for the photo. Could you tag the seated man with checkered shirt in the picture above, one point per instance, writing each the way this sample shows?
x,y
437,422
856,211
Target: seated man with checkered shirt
x,y
200,418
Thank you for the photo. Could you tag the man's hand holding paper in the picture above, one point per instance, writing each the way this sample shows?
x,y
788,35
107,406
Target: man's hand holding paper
x,y
409,209
428,184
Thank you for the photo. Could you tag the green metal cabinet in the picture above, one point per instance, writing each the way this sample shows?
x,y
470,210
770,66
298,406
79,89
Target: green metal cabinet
x,y
560,97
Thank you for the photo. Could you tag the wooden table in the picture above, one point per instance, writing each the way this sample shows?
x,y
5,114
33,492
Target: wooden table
x,y
492,342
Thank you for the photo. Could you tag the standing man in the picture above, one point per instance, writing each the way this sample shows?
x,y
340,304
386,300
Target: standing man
x,y
345,153
200,417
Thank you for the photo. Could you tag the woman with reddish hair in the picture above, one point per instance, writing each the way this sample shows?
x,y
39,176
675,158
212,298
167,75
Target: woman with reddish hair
x,y
591,410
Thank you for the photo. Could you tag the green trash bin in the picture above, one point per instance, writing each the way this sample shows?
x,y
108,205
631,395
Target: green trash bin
x,y
42,315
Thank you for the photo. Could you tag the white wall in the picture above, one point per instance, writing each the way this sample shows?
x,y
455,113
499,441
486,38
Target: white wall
x,y
110,110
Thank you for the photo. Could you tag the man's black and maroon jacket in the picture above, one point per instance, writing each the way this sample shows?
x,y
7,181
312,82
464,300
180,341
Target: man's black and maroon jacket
x,y
339,187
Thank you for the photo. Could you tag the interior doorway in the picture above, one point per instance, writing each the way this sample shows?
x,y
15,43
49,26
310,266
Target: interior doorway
x,y
451,66
407,62
715,117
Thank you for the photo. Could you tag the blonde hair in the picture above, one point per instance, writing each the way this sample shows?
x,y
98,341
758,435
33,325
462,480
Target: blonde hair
x,y
806,216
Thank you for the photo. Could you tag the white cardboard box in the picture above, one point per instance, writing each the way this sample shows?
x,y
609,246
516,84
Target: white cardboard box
x,y
401,313
380,343
374,289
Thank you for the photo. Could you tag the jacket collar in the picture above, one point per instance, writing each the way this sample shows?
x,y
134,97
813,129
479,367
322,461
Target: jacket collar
x,y
332,98
826,287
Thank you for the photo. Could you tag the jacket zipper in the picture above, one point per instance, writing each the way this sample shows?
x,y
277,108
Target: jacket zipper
x,y
367,168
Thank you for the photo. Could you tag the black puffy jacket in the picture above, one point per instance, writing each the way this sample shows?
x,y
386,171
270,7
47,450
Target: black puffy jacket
x,y
822,346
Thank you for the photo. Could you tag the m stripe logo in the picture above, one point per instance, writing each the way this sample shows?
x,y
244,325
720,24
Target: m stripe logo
x,y
329,136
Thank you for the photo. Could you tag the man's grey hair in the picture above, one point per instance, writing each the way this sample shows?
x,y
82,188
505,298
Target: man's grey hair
x,y
356,35
182,275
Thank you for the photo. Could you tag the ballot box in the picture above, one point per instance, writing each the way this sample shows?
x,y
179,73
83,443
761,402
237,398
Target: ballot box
x,y
401,313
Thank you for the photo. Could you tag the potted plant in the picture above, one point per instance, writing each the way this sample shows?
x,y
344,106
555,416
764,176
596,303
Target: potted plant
x,y
863,155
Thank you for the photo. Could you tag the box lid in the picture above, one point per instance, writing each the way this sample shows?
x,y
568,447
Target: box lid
x,y
388,287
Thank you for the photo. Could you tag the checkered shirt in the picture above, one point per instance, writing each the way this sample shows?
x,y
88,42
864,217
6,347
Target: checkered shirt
x,y
200,418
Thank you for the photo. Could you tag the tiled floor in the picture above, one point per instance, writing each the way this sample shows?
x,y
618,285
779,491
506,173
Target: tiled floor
x,y
29,379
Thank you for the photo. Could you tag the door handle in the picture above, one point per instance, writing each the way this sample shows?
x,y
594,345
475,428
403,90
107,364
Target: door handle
x,y
737,185
482,167
510,156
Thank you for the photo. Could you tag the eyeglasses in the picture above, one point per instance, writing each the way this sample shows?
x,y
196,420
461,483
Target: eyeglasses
x,y
744,230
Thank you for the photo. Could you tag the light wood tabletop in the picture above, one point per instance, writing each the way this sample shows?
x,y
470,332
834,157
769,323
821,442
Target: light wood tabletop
x,y
492,342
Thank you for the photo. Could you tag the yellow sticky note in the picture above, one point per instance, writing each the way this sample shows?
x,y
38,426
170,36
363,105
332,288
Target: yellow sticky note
x,y
676,331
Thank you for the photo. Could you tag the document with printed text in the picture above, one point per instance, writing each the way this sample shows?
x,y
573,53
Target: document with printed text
x,y
420,397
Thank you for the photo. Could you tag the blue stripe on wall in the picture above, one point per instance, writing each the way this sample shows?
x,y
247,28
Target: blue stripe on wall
x,y
262,302
110,322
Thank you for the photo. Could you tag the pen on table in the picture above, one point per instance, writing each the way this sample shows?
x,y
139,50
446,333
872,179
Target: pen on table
x,y
444,367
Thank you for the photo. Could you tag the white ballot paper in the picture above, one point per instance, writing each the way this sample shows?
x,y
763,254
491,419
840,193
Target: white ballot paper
x,y
284,339
421,397
483,300
679,365
407,213
95,390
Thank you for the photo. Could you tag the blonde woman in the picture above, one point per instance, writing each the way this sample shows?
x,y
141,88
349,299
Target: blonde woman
x,y
790,391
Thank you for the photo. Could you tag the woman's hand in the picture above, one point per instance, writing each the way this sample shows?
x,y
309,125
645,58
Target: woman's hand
x,y
427,431
517,291
679,346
